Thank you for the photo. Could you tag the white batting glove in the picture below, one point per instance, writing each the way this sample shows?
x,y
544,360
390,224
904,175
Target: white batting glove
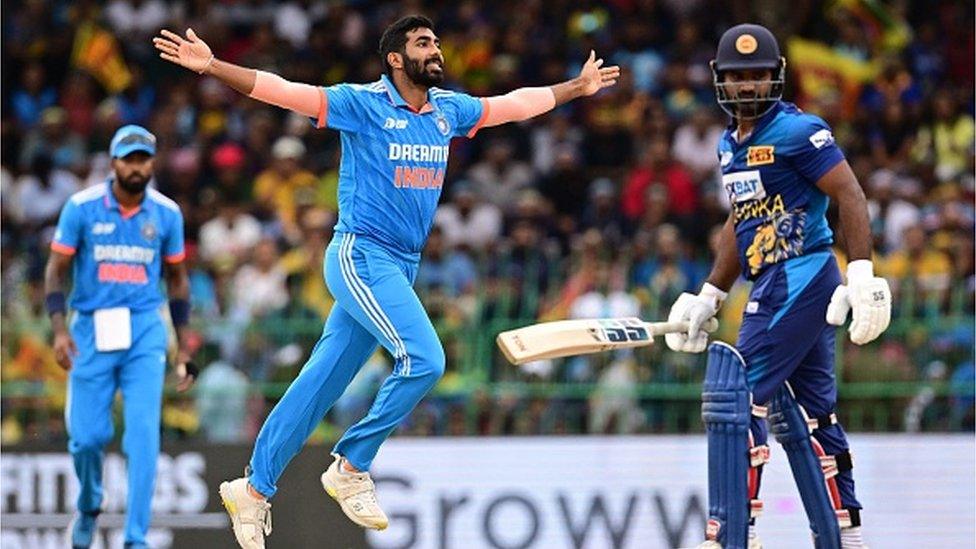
x,y
696,310
870,299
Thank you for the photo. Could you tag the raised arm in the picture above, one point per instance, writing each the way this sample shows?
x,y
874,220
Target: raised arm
x,y
525,103
194,54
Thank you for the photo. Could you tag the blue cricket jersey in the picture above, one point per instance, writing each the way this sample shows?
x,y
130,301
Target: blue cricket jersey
x,y
118,254
393,157
770,177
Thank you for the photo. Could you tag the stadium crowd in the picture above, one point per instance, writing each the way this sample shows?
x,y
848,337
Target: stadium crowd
x,y
605,207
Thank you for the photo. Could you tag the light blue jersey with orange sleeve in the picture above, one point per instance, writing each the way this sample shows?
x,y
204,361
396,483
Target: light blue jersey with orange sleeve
x,y
393,157
118,253
771,180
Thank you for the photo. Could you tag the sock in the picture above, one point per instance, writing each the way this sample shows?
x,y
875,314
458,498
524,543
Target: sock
x,y
850,538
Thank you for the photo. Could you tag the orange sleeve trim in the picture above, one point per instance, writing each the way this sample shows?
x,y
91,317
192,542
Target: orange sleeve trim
x,y
323,109
175,258
485,109
62,248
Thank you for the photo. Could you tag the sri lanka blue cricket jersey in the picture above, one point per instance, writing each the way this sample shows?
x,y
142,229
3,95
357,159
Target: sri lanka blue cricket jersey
x,y
118,253
770,178
393,157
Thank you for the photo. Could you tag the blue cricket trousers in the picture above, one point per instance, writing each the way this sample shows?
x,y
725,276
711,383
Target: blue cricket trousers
x,y
374,304
785,337
95,376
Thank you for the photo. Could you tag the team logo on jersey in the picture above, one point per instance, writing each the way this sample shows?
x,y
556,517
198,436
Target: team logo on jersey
x,y
148,231
778,239
725,158
822,138
442,125
760,155
103,228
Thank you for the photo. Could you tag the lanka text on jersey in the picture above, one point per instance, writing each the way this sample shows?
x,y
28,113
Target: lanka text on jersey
x,y
770,178
118,254
393,157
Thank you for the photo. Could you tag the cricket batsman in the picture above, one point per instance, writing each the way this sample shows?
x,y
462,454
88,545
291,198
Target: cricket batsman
x,y
116,238
780,168
395,135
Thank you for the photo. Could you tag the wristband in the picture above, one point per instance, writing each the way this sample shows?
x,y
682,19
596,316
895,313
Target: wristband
x,y
859,270
54,302
179,312
207,66
712,292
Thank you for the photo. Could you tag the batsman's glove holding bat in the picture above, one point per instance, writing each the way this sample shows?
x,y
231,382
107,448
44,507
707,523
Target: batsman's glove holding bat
x,y
867,297
696,310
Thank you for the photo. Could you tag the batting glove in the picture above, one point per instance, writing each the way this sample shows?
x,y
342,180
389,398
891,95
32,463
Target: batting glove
x,y
696,310
869,298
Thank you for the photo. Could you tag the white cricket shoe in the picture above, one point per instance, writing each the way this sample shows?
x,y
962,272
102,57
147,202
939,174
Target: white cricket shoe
x,y
250,516
356,495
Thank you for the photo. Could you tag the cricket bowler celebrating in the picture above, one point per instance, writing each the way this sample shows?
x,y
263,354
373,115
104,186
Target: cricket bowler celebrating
x,y
395,134
116,237
780,167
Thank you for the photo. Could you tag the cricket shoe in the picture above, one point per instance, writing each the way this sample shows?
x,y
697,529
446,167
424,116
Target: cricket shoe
x,y
250,516
356,495
82,529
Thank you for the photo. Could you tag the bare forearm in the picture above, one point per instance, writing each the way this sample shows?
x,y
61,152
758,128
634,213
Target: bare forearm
x,y
565,92
726,267
856,223
240,78
54,283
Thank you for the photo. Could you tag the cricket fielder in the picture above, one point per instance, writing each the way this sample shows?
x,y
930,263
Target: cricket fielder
x,y
116,237
780,167
395,134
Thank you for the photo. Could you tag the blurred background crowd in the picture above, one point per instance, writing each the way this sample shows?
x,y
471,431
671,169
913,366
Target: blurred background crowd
x,y
605,207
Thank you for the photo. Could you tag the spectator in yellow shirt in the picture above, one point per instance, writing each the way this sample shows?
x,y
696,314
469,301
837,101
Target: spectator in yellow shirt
x,y
917,263
285,185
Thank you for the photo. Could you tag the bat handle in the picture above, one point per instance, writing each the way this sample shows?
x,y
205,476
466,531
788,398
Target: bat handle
x,y
661,328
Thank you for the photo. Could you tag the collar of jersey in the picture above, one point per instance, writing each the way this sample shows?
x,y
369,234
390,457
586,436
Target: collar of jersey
x,y
113,204
399,101
764,121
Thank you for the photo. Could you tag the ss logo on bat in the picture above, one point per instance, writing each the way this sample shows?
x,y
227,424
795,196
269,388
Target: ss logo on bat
x,y
617,331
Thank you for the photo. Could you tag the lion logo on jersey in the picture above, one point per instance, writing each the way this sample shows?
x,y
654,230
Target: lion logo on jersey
x,y
778,239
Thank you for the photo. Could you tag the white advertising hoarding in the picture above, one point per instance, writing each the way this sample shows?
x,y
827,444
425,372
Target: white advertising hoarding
x,y
918,491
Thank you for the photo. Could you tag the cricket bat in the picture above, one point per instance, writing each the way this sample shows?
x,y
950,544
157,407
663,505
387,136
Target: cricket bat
x,y
579,337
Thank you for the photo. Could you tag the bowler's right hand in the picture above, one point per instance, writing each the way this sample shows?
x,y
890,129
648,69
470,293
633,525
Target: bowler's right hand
x,y
190,52
64,349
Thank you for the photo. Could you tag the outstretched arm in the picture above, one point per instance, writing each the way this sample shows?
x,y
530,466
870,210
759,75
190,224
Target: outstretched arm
x,y
194,54
525,103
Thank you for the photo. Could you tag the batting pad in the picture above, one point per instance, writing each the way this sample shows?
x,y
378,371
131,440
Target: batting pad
x,y
726,412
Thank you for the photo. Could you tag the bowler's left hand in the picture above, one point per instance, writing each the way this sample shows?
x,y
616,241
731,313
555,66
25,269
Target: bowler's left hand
x,y
186,372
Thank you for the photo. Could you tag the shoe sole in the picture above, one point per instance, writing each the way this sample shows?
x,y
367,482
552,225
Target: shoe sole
x,y
329,489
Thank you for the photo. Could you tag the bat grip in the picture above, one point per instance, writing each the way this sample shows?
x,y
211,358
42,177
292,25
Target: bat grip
x,y
661,328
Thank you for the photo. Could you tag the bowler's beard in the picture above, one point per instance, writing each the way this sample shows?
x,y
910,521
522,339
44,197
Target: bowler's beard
x,y
418,74
134,184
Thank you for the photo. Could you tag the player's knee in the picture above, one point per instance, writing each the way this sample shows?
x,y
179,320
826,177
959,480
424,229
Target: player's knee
x,y
434,362
88,442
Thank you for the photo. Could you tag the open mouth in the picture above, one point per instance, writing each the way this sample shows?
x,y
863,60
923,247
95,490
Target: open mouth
x,y
435,65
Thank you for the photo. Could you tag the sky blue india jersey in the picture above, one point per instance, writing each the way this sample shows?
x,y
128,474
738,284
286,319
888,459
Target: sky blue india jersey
x,y
770,178
393,157
118,254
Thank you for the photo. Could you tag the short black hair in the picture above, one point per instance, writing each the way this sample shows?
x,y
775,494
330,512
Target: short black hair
x,y
394,38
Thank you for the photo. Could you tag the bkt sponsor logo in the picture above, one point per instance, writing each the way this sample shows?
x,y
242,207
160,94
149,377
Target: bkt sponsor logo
x,y
394,124
103,228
